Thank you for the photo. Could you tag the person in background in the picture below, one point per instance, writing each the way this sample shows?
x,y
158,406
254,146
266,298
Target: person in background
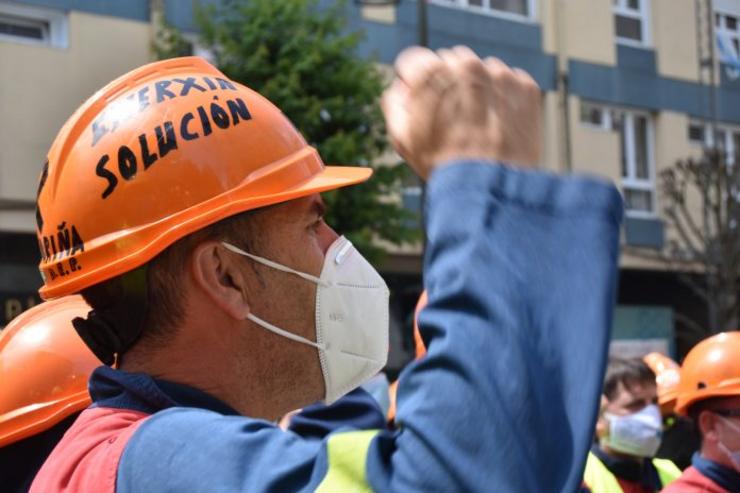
x,y
680,439
628,432
709,393
44,368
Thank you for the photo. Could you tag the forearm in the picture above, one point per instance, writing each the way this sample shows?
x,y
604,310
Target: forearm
x,y
520,269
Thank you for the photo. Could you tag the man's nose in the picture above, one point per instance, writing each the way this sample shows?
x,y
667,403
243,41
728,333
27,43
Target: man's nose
x,y
327,236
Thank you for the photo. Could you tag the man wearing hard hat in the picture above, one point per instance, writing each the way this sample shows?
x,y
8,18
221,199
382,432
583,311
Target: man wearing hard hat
x,y
709,393
186,210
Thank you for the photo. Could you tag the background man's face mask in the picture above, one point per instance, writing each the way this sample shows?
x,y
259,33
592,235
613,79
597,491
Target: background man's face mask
x,y
733,455
637,434
351,317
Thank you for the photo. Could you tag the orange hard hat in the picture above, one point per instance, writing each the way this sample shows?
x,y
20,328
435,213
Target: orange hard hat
x,y
667,377
161,152
421,349
711,369
44,369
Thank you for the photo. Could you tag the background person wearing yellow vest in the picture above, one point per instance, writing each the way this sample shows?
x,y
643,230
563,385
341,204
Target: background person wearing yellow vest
x,y
709,393
629,431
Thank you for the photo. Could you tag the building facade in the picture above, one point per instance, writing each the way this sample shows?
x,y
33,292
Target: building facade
x,y
627,91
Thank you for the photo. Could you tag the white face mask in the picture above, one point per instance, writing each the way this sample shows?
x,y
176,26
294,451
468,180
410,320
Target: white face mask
x,y
733,455
351,317
637,434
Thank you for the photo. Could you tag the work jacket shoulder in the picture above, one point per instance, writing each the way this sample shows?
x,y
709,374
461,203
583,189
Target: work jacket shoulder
x,y
693,481
86,459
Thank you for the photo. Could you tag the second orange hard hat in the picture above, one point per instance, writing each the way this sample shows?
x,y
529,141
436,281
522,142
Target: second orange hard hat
x,y
667,378
44,369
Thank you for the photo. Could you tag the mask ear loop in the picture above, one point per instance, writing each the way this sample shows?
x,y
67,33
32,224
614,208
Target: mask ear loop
x,y
274,265
285,333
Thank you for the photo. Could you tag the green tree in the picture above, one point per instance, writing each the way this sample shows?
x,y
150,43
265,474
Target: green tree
x,y
302,59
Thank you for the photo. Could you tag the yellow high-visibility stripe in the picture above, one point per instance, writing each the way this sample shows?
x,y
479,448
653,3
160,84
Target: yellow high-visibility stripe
x,y
347,457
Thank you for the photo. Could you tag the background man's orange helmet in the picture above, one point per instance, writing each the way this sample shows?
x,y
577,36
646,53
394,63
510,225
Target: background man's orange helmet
x,y
667,378
419,346
419,349
44,369
157,154
711,369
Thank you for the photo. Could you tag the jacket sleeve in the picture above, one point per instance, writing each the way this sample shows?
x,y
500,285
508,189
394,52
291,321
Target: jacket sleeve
x,y
357,410
520,268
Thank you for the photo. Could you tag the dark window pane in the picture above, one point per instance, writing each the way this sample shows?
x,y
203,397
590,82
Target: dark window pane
x,y
10,28
696,132
634,4
717,20
592,114
638,200
642,169
475,3
720,138
618,126
513,6
628,27
731,22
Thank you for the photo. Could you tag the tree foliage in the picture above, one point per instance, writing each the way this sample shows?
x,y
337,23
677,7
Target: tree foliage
x,y
302,59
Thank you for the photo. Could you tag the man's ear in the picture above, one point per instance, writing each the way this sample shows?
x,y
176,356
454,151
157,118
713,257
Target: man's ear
x,y
216,274
602,425
707,423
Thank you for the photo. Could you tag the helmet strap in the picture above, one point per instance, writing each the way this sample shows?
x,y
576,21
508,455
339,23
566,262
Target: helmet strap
x,y
111,330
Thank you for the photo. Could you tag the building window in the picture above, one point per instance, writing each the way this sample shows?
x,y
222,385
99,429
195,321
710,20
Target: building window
x,y
697,134
725,138
638,169
33,25
637,164
593,115
517,9
631,22
727,27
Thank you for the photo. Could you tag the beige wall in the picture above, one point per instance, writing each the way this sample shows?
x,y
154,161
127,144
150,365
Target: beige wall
x,y
41,86
553,137
587,30
594,151
385,14
674,38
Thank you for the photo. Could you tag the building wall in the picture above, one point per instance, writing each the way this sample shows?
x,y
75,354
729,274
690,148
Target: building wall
x,y
674,38
594,150
40,87
587,30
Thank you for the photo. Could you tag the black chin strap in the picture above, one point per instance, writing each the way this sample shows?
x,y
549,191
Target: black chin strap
x,y
111,330
101,337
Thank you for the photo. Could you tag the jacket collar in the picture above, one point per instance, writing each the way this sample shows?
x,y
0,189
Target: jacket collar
x,y
141,392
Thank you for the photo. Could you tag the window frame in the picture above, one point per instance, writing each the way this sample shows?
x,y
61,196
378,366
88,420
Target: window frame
x,y
57,21
729,143
643,15
721,30
531,18
631,181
